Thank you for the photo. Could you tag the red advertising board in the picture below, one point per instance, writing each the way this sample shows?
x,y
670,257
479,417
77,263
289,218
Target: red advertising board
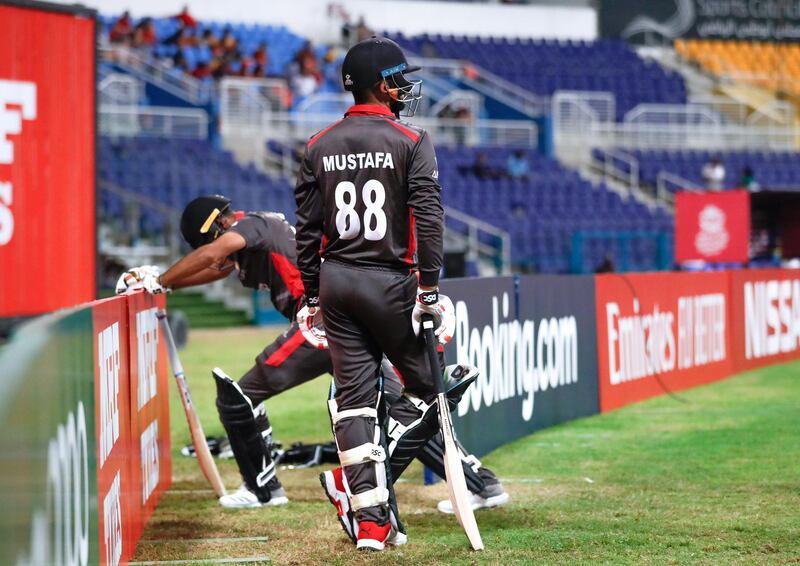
x,y
115,492
149,394
713,227
660,332
47,155
765,317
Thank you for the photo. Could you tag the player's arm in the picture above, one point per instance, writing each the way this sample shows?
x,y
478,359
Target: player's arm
x,y
205,264
309,228
425,202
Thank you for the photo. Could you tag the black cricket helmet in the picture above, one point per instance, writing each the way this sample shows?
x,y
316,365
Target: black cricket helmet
x,y
200,220
379,59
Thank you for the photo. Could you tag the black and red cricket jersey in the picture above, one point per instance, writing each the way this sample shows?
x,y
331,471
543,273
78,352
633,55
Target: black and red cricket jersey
x,y
268,260
368,194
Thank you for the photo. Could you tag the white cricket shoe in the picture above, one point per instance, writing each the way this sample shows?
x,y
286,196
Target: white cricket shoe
x,y
243,498
478,502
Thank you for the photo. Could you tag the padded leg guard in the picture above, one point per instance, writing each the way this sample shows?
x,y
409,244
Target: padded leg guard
x,y
248,441
362,453
413,429
351,522
432,455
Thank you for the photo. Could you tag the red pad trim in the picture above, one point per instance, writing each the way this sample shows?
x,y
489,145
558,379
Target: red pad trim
x,y
316,138
399,375
287,349
289,273
411,134
412,238
239,214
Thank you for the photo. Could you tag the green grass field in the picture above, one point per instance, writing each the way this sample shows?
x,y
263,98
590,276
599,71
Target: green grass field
x,y
715,480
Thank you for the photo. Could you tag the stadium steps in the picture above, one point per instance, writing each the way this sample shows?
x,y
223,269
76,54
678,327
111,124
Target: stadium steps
x,y
205,313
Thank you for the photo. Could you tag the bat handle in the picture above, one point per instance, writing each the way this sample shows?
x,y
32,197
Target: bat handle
x,y
433,355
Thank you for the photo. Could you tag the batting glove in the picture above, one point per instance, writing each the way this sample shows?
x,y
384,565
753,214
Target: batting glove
x,y
132,279
427,303
152,284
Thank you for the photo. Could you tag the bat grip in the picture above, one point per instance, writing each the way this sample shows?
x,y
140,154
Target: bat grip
x,y
433,355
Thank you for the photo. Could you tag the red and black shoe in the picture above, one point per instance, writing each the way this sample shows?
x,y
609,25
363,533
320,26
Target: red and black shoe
x,y
333,483
372,536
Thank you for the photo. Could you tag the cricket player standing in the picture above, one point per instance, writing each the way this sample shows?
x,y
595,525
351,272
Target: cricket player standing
x,y
369,204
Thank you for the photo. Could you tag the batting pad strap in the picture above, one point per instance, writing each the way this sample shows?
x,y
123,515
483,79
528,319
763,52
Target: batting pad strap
x,y
371,498
266,475
367,412
363,453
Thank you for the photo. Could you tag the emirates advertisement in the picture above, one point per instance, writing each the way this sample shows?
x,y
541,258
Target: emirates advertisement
x,y
47,169
712,227
660,332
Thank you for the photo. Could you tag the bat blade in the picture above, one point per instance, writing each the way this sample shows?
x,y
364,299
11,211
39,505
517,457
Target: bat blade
x,y
456,484
204,459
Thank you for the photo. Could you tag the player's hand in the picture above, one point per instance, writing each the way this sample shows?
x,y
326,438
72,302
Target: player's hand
x,y
312,328
313,306
152,284
427,303
132,279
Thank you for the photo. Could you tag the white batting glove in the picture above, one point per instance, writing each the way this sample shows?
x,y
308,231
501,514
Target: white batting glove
x,y
152,285
427,303
132,279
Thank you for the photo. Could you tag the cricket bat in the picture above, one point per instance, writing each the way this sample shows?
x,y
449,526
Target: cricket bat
x,y
204,459
456,485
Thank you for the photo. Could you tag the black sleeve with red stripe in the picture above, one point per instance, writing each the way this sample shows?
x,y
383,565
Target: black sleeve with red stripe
x,y
309,226
425,202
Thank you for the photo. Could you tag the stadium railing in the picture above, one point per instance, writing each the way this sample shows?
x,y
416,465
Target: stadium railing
x,y
157,72
120,88
154,121
585,119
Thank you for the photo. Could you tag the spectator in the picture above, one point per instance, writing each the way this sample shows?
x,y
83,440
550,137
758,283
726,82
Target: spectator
x,y
714,174
179,62
517,166
182,38
607,265
749,181
481,168
145,34
229,43
304,84
332,69
202,70
260,61
217,68
122,30
363,31
186,19
213,43
306,61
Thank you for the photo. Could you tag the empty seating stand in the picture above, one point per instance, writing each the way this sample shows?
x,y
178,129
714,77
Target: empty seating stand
x,y
543,212
545,66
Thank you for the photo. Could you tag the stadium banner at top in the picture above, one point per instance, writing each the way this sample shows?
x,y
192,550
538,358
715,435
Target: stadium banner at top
x,y
533,341
711,226
660,332
47,154
662,21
